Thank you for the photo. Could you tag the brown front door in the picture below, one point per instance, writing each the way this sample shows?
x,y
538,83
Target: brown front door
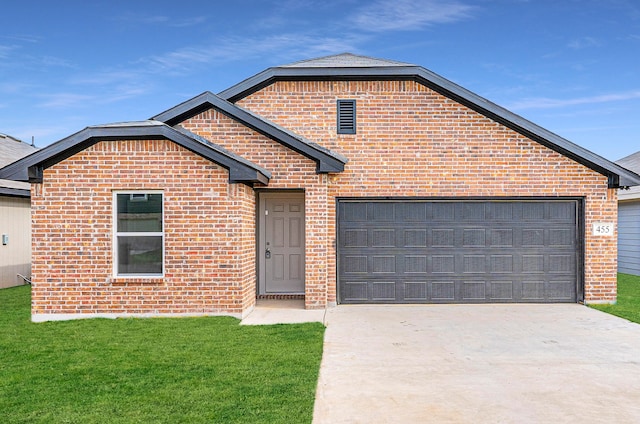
x,y
281,242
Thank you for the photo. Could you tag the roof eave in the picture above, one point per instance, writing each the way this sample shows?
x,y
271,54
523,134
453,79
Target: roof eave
x,y
34,167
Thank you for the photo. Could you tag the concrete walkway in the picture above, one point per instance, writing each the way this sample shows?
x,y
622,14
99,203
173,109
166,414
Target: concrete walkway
x,y
478,364
268,312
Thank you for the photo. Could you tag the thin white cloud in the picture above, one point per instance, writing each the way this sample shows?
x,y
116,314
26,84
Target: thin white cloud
x,y
56,61
114,94
583,43
548,103
65,100
108,77
232,49
406,15
5,50
133,18
188,22
15,87
22,38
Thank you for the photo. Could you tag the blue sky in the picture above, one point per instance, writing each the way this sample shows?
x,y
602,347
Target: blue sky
x,y
571,66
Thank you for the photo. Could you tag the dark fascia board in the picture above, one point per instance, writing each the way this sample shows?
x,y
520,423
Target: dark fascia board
x,y
14,192
31,167
326,161
617,176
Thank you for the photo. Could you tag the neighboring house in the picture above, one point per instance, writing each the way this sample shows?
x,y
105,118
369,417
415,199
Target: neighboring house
x,y
343,179
15,217
629,221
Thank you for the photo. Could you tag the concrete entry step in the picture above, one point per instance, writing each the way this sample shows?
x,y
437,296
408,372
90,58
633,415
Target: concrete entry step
x,y
282,311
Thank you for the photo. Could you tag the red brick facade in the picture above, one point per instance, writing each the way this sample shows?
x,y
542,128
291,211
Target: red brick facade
x,y
410,142
209,234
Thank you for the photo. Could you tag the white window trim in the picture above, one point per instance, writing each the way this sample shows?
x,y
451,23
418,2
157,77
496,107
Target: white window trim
x,y
115,234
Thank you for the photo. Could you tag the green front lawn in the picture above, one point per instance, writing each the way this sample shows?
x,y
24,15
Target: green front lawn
x,y
628,305
160,370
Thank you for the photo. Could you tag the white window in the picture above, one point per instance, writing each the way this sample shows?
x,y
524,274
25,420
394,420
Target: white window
x,y
139,234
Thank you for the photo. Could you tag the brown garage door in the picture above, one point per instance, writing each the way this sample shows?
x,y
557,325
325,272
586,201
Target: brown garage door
x,y
457,251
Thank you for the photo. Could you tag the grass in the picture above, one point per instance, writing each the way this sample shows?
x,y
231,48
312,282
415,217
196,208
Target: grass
x,y
160,370
628,305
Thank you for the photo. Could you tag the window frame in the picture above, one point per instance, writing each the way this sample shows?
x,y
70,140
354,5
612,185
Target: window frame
x,y
116,234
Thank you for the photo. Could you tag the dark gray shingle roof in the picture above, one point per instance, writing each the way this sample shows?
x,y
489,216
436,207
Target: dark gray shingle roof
x,y
631,162
12,149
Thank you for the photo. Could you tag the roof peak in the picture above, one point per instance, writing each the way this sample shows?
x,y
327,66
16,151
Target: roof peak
x,y
345,60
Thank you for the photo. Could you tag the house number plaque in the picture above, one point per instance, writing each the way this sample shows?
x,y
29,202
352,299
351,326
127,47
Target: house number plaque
x,y
602,229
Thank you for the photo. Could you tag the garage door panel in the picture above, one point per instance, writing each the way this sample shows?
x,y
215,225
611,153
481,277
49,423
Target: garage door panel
x,y
500,211
415,264
502,264
443,237
501,237
412,252
559,237
474,264
415,237
416,291
414,212
474,290
354,212
443,211
383,264
355,291
383,290
564,212
474,237
561,290
443,291
532,290
443,264
501,291
382,212
356,238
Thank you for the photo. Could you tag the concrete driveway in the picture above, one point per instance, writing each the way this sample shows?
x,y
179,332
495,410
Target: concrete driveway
x,y
478,364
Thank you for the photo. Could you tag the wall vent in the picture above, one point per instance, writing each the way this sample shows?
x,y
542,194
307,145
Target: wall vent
x,y
346,116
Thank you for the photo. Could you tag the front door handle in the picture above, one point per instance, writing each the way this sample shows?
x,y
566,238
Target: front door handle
x,y
267,254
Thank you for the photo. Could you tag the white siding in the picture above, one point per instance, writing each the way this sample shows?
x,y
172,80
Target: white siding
x,y
629,237
15,257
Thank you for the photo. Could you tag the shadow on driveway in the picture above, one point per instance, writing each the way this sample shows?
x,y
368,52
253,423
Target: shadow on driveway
x,y
560,363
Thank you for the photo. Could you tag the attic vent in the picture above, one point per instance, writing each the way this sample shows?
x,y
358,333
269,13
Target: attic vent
x,y
346,116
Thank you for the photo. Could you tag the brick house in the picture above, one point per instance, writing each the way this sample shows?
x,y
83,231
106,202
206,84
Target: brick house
x,y
343,179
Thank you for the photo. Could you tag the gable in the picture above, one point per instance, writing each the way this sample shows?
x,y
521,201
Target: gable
x,y
326,160
413,140
346,68
283,162
31,168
